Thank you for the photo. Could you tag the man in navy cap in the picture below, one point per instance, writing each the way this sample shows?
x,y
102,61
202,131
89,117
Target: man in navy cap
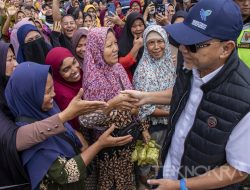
x,y
207,146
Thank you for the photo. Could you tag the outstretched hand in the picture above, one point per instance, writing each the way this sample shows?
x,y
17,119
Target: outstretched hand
x,y
139,95
123,101
77,106
106,140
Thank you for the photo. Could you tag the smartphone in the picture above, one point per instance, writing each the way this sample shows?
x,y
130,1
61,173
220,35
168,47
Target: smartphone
x,y
111,9
160,9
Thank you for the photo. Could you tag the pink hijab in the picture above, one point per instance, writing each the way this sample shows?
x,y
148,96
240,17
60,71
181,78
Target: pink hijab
x,y
100,80
65,91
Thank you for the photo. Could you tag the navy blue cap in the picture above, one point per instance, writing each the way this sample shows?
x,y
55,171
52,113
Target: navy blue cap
x,y
208,19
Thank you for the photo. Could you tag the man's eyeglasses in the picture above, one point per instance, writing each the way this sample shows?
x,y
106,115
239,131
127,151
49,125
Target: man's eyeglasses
x,y
194,47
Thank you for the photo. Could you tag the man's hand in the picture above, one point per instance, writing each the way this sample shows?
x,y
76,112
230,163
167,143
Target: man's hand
x,y
139,95
77,107
106,140
122,101
165,184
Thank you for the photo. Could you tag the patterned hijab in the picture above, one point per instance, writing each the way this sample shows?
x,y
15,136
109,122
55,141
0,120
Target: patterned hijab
x,y
100,80
154,75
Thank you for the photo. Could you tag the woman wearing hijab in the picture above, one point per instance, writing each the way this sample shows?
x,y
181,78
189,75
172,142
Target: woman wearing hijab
x,y
67,77
32,45
79,44
155,72
131,43
11,170
104,19
55,163
92,11
13,36
135,6
103,79
118,8
13,138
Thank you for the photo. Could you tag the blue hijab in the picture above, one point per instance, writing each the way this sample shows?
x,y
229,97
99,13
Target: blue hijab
x,y
24,94
34,51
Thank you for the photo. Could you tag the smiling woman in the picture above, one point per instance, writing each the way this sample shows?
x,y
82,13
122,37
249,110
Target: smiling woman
x,y
131,43
67,77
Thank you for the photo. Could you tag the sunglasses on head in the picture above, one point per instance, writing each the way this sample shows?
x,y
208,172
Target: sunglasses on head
x,y
195,47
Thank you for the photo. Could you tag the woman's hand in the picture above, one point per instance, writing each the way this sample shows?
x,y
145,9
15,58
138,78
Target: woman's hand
x,y
106,140
2,5
85,144
11,11
77,107
138,42
162,19
57,26
146,136
115,19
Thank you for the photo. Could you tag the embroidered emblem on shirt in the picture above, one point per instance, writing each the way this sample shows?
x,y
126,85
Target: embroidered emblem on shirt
x,y
212,122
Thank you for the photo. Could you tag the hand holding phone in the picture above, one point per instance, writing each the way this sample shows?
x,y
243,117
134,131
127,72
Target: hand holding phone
x,y
111,9
160,9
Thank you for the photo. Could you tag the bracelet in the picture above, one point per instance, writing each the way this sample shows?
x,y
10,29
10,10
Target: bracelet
x,y
183,184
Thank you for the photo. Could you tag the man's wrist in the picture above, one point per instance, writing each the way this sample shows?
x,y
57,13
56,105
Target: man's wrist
x,y
183,184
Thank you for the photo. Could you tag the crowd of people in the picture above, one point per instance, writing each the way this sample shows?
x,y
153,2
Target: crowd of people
x,y
82,82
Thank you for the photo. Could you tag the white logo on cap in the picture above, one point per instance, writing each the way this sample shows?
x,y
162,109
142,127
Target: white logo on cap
x,y
199,24
204,14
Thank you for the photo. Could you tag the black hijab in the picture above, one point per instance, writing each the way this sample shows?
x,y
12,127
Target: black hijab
x,y
126,39
34,51
11,170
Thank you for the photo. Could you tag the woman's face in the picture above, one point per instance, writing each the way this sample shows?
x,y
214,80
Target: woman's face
x,y
135,7
79,20
81,47
96,5
110,53
171,11
102,6
106,21
10,62
92,12
137,28
32,36
119,9
88,22
68,26
20,16
48,95
156,48
70,70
